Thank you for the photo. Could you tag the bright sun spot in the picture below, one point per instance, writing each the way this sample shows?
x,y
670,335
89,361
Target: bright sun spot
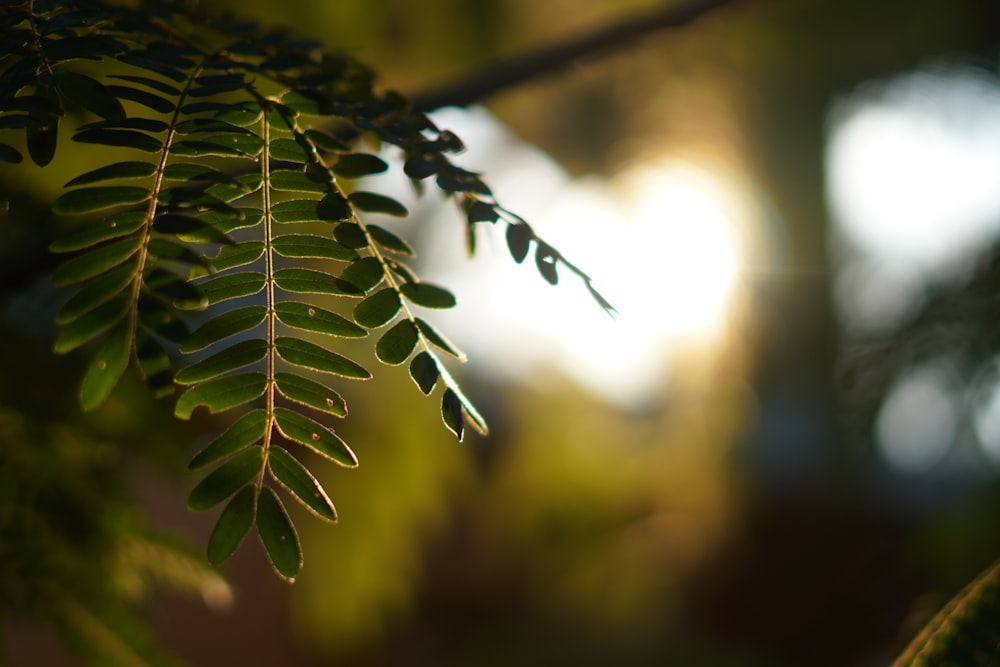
x,y
660,241
684,238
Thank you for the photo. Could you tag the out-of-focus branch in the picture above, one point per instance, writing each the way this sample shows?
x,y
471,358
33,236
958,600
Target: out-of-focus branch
x,y
549,60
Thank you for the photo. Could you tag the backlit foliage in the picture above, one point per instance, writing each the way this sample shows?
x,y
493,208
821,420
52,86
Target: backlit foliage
x,y
224,220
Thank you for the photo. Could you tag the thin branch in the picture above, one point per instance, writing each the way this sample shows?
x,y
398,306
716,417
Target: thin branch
x,y
549,60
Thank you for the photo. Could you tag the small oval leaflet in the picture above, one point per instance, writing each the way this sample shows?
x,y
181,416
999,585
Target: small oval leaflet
x,y
105,369
242,433
95,292
307,245
309,393
221,394
96,261
226,480
308,281
86,200
395,346
278,535
223,326
428,295
356,165
231,358
300,483
232,526
519,237
312,318
424,371
315,436
389,241
376,203
377,309
308,355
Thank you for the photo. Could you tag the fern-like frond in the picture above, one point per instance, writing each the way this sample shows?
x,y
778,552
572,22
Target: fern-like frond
x,y
222,221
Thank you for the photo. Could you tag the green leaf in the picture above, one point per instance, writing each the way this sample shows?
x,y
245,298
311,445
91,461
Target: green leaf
x,y
428,295
240,254
297,181
315,436
93,233
153,364
350,235
332,208
376,203
221,394
307,281
545,260
309,393
278,535
233,525
105,369
223,326
42,141
364,274
312,318
299,482
476,419
356,165
223,288
307,245
397,343
307,355
435,338
189,228
90,325
143,97
96,261
242,433
90,94
155,84
94,293
236,356
388,240
212,125
112,171
480,211
424,371
120,138
85,200
518,238
451,413
288,150
377,309
304,102
226,480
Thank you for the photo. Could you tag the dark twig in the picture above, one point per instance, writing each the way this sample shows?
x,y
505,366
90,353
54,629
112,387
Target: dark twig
x,y
549,60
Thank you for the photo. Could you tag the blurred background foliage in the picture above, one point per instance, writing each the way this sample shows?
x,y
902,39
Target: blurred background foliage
x,y
742,508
